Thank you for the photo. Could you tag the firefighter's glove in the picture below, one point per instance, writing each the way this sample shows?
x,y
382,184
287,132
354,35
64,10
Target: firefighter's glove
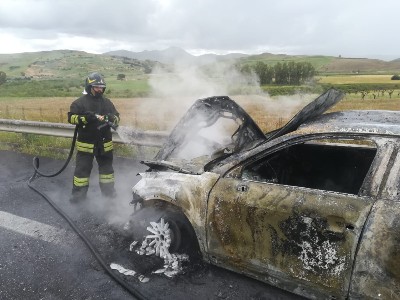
x,y
90,117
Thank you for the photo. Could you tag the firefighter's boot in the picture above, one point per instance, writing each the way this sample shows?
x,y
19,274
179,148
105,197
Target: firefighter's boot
x,y
78,195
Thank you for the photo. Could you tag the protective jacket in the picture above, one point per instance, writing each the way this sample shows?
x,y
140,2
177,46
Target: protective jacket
x,y
93,135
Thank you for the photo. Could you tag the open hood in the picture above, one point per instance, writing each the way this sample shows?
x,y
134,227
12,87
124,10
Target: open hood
x,y
216,127
211,127
309,112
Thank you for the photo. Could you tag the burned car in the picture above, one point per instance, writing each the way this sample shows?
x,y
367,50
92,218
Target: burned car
x,y
312,208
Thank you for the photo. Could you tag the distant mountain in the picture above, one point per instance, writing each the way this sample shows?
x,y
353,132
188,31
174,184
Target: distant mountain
x,y
71,64
174,55
324,64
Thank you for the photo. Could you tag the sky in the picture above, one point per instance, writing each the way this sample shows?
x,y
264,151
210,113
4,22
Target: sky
x,y
349,28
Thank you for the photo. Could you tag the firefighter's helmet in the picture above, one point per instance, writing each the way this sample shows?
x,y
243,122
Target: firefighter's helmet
x,y
94,79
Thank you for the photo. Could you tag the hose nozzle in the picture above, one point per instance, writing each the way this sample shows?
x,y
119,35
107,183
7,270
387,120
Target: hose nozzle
x,y
106,122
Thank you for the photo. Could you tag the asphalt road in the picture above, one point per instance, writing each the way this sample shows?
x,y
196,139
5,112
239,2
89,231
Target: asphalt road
x,y
42,257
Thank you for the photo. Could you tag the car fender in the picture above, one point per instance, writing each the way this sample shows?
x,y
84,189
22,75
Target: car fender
x,y
189,193
377,267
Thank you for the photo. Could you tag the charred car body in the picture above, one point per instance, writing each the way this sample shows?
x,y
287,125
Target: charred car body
x,y
312,208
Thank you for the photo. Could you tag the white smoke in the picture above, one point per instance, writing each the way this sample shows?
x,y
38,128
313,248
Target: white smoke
x,y
196,81
175,90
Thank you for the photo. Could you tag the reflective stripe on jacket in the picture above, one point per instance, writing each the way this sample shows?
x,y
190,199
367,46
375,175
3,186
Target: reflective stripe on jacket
x,y
92,137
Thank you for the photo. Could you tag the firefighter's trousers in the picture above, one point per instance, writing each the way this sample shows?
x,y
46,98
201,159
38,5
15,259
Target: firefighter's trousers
x,y
84,165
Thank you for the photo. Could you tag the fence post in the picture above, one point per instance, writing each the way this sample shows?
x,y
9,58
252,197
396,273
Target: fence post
x,y
60,117
141,152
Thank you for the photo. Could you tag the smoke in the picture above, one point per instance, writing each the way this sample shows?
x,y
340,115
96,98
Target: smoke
x,y
117,211
174,90
196,81
287,106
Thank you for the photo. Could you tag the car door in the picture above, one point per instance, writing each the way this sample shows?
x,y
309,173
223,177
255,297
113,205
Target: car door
x,y
294,217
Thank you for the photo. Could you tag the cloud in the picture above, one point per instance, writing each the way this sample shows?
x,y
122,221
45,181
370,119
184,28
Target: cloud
x,y
350,28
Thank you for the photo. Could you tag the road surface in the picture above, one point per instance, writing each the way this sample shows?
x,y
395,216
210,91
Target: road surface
x,y
42,257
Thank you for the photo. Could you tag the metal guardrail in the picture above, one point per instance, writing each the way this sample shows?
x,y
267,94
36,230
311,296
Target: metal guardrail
x,y
125,135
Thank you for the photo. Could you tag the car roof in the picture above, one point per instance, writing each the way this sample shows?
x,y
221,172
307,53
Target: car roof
x,y
355,121
359,122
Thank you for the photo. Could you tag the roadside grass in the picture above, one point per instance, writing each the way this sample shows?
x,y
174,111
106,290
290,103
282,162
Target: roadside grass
x,y
58,147
46,146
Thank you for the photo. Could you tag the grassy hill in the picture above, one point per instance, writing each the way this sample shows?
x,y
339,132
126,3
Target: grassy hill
x,y
62,72
326,65
69,64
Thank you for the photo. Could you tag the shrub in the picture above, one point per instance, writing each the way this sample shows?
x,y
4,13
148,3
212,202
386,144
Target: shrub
x,y
3,77
395,77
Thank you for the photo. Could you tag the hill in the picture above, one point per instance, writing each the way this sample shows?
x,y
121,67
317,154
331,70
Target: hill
x,y
331,64
69,64
65,64
174,55
323,64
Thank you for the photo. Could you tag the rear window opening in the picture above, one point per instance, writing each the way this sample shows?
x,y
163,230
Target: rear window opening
x,y
325,166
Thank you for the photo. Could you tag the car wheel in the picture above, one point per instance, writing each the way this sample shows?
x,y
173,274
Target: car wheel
x,y
165,230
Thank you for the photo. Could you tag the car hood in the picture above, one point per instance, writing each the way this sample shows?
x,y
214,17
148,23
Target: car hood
x,y
312,110
216,127
212,126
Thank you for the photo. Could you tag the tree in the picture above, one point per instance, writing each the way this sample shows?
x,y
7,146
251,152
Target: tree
x,y
3,77
245,69
121,77
308,71
395,77
292,73
278,71
264,73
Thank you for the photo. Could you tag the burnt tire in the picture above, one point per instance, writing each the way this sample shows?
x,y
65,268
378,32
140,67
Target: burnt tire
x,y
183,237
176,230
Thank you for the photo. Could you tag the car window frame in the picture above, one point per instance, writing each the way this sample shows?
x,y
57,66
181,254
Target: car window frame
x,y
294,139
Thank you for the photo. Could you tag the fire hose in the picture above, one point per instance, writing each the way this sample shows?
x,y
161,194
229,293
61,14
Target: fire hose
x,y
79,232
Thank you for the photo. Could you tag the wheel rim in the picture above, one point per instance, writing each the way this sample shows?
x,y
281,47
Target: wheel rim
x,y
160,239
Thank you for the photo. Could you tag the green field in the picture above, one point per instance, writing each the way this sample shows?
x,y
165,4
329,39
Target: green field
x,y
358,79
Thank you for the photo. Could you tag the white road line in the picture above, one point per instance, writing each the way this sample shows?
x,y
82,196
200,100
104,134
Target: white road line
x,y
36,229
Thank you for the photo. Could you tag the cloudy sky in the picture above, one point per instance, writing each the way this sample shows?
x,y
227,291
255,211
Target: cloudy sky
x,y
350,28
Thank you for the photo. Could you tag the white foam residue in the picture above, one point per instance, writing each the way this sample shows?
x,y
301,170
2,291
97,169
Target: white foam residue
x,y
322,256
158,243
129,272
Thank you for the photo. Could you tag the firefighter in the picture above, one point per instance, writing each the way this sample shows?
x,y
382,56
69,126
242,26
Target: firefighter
x,y
94,114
